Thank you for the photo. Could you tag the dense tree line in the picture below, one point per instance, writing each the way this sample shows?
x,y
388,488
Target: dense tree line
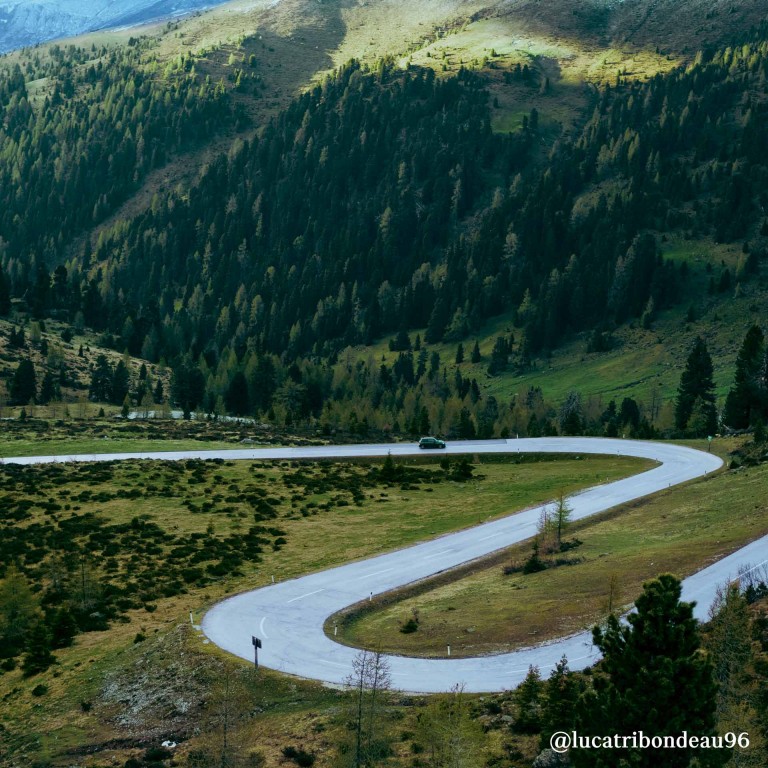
x,y
355,254
327,230
683,152
695,410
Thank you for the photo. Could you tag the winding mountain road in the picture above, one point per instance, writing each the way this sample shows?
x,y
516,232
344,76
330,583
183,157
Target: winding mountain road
x,y
289,616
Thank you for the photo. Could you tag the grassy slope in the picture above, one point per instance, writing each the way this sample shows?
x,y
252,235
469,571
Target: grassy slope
x,y
644,363
291,53
78,368
52,433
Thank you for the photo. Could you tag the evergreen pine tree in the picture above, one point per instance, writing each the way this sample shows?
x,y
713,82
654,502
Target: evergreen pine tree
x,y
571,415
729,643
438,320
561,692
476,356
24,384
499,356
62,625
38,656
401,342
5,295
696,383
528,697
655,678
49,389
466,427
121,382
746,398
389,471
424,424
237,395
101,381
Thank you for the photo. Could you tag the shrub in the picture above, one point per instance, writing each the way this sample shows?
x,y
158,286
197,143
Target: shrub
x,y
299,756
534,564
155,754
409,627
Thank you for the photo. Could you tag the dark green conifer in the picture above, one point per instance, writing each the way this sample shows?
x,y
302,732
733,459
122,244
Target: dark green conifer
x,y
696,383
654,677
746,399
38,656
24,384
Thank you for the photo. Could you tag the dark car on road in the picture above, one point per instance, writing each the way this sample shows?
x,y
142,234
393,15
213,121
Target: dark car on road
x,y
431,442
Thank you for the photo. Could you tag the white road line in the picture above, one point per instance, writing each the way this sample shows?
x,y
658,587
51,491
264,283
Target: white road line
x,y
262,633
301,597
437,554
753,568
377,573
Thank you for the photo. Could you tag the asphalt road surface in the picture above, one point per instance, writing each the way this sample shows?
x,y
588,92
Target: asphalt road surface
x,y
289,616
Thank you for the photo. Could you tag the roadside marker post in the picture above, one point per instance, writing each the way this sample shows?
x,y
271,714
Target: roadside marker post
x,y
256,645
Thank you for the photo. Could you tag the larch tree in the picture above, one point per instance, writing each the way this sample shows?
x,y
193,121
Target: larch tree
x,y
449,734
369,679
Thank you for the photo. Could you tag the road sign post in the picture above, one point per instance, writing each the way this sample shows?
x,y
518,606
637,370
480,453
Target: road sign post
x,y
256,645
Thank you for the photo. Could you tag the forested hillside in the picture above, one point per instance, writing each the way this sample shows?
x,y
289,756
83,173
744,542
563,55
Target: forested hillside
x,y
380,202
324,230
97,123
349,216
